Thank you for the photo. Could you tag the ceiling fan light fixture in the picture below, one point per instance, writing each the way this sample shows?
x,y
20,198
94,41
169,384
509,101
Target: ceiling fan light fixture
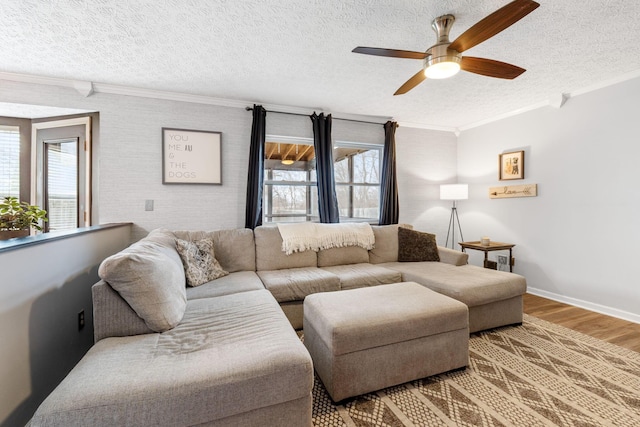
x,y
442,70
442,63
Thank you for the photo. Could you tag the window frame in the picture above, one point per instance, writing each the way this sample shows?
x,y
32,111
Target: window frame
x,y
351,184
269,183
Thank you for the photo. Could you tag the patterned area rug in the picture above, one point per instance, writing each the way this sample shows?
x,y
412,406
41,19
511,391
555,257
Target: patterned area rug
x,y
537,374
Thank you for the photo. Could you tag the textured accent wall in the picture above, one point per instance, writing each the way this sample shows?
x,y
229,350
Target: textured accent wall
x,y
128,157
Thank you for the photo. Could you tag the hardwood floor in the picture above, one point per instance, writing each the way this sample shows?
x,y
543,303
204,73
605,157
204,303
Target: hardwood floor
x,y
616,331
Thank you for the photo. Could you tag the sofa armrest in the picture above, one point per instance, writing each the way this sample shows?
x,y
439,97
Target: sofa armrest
x,y
451,256
112,315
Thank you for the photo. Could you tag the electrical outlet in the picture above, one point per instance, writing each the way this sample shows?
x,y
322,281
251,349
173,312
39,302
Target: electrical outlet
x,y
148,205
81,320
502,259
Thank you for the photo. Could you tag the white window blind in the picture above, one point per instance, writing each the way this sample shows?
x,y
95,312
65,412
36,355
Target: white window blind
x,y
9,161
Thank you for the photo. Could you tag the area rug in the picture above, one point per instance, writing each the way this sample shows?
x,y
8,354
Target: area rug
x,y
536,374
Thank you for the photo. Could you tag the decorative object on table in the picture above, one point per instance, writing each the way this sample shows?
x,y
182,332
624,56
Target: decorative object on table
x,y
511,166
492,246
454,192
17,218
191,156
485,241
509,191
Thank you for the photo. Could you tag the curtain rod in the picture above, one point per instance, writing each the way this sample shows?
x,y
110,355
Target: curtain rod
x,y
307,115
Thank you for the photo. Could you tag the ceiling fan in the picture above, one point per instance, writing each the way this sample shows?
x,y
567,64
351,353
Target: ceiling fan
x,y
444,59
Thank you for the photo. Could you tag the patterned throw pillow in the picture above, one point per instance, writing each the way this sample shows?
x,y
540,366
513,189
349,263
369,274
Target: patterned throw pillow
x,y
414,246
200,263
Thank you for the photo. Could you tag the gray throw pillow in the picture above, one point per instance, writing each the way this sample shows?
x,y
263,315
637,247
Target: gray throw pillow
x,y
150,279
200,263
414,246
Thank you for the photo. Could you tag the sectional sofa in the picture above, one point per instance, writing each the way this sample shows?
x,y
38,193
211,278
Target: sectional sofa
x,y
225,353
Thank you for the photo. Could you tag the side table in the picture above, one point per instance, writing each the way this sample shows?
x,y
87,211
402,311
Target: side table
x,y
493,246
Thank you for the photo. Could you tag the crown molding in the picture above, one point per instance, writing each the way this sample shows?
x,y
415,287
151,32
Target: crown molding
x,y
428,126
556,101
87,88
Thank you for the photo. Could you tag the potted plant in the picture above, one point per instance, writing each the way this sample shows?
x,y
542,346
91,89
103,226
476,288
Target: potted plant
x,y
16,218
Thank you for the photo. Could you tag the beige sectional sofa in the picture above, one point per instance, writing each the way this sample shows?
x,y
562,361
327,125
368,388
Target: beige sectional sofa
x,y
232,358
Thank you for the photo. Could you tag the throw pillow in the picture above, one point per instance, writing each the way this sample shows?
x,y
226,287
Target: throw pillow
x,y
150,279
416,246
200,263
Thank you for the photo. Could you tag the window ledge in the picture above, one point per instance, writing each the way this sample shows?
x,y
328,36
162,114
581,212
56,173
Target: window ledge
x,y
22,242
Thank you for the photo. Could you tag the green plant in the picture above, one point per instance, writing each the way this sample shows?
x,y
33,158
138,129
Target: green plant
x,y
16,215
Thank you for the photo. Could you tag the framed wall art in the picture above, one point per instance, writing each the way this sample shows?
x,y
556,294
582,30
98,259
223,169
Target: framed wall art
x,y
511,165
191,156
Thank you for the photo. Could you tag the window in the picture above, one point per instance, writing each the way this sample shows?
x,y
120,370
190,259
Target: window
x,y
357,171
290,183
290,190
61,183
9,161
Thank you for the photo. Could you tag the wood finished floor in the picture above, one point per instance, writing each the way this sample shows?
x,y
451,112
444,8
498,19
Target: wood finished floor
x,y
616,331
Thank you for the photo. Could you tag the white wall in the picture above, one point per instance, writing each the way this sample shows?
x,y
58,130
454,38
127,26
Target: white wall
x,y
576,241
425,159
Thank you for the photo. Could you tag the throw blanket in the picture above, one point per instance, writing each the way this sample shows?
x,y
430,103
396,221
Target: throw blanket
x,y
311,236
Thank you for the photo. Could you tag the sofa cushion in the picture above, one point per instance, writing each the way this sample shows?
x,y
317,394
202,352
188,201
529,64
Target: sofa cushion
x,y
469,284
200,263
240,281
386,246
243,351
234,248
341,256
415,246
294,284
269,254
361,275
150,277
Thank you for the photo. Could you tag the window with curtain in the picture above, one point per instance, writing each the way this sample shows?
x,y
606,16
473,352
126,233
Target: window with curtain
x,y
9,161
290,181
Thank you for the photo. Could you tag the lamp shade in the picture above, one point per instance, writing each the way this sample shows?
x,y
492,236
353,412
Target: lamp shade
x,y
454,191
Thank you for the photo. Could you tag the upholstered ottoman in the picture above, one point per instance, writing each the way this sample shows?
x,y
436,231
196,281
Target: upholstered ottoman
x,y
366,339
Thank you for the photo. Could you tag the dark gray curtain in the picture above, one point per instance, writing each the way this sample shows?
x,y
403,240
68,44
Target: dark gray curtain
x,y
253,210
389,206
327,200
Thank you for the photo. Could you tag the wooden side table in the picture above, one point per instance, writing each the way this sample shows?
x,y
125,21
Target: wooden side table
x,y
493,246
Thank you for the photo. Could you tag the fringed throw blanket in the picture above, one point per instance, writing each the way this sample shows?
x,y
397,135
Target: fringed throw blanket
x,y
310,236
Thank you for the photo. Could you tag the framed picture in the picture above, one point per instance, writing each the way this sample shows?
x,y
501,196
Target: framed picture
x,y
191,156
511,165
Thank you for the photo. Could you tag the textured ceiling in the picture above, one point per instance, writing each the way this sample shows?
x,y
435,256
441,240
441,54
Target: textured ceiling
x,y
298,53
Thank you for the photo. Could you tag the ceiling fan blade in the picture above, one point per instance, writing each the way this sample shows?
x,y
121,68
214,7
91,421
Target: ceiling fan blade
x,y
411,83
493,24
394,53
490,67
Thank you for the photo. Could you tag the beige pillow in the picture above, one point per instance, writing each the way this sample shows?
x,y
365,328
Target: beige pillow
x,y
414,246
200,263
150,278
386,247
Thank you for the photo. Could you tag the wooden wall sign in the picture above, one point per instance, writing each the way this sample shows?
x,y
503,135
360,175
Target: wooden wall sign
x,y
507,191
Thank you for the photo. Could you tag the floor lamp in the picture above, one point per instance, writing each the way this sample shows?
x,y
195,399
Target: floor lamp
x,y
454,192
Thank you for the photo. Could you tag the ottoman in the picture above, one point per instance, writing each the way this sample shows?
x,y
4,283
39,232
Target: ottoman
x,y
367,339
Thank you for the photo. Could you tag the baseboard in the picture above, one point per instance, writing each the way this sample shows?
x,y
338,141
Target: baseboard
x,y
598,308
